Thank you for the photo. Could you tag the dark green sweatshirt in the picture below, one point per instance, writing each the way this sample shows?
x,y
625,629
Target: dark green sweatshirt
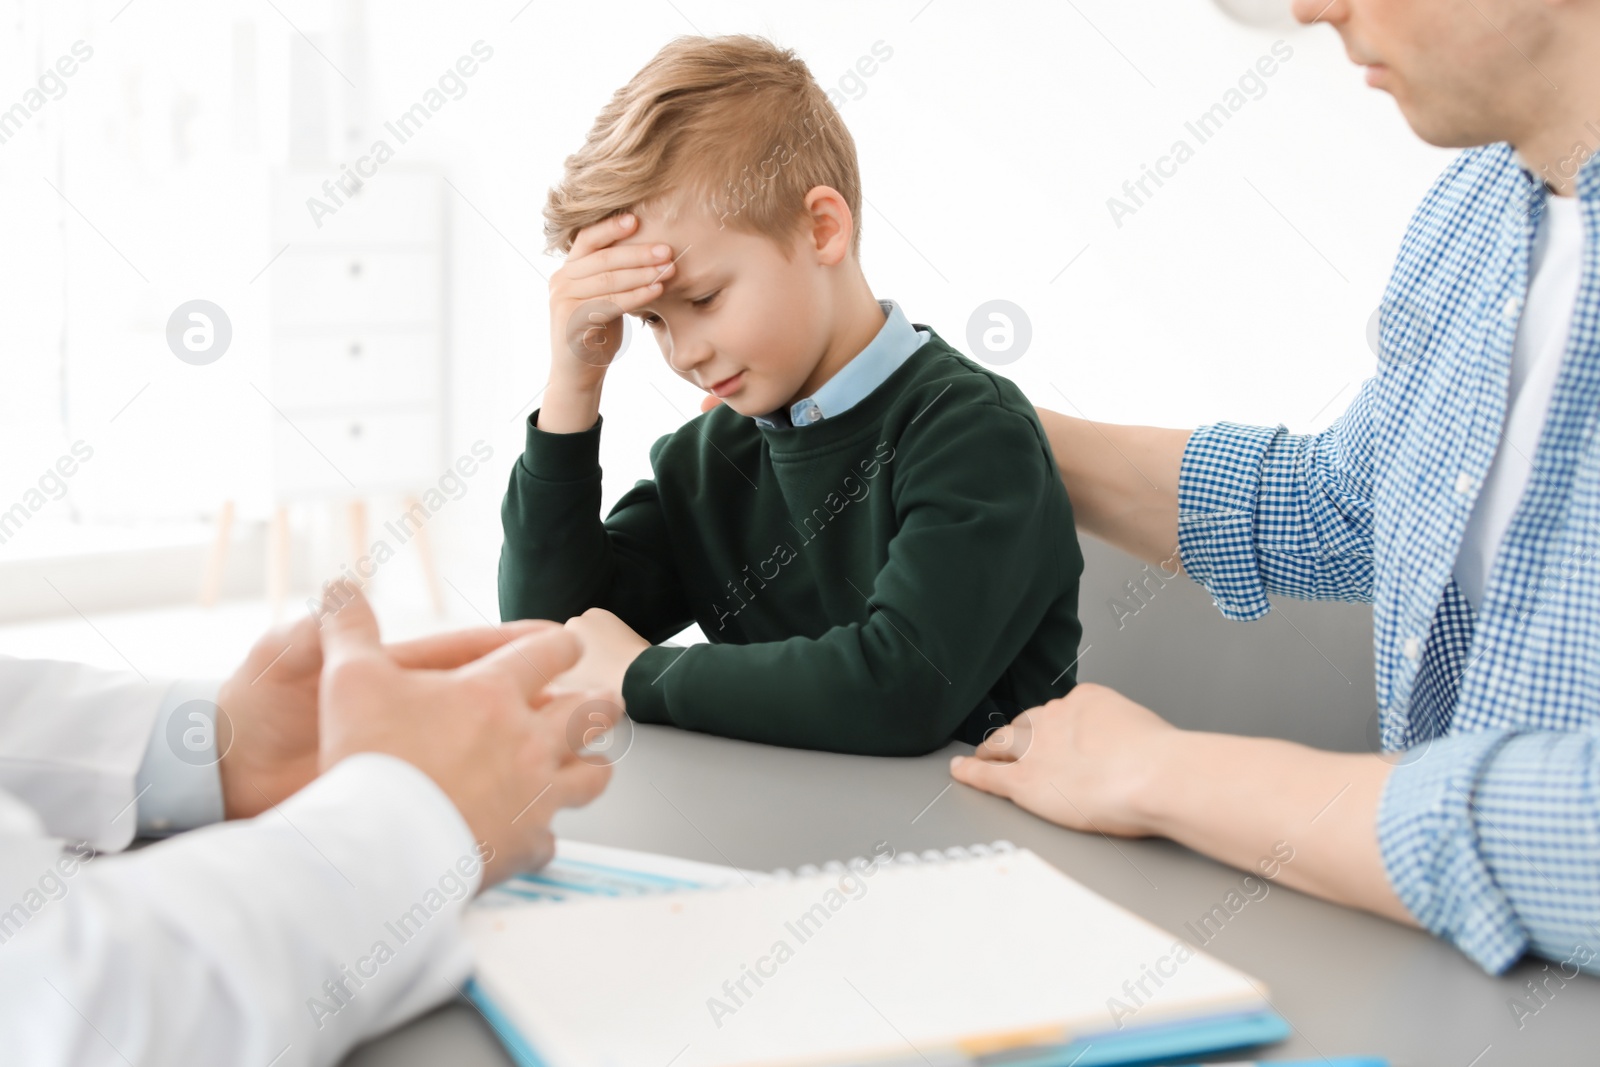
x,y
896,576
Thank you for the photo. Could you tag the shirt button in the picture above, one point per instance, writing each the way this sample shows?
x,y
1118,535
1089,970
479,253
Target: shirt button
x,y
1463,483
1412,648
1512,306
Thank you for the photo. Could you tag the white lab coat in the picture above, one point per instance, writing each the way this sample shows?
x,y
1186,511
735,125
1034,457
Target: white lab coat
x,y
280,940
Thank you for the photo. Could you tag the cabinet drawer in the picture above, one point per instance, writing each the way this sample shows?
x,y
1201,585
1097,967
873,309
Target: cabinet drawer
x,y
392,207
355,369
376,451
324,288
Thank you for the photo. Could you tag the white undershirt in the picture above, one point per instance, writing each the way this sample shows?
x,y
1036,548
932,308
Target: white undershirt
x,y
1542,332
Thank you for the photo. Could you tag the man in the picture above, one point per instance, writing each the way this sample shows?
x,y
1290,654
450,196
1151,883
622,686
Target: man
x,y
1460,493
331,912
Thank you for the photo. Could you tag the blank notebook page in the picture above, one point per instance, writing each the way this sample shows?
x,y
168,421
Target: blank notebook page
x,y
913,960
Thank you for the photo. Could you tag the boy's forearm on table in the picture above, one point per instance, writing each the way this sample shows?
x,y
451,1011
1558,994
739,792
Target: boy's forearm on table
x,y
1123,481
1236,798
772,692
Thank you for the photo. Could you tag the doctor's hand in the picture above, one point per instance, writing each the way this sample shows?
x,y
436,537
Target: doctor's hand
x,y
486,732
1080,760
268,732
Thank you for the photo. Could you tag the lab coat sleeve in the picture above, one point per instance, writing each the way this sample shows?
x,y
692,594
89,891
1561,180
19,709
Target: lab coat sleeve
x,y
283,940
79,746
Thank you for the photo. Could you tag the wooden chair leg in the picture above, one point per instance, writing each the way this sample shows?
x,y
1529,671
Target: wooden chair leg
x,y
430,566
278,560
211,583
356,516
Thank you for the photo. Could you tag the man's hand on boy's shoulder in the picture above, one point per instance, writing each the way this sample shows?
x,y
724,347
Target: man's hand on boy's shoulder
x,y
599,283
609,647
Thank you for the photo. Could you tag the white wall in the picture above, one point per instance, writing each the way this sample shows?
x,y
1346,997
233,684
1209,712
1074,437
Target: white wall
x,y
990,142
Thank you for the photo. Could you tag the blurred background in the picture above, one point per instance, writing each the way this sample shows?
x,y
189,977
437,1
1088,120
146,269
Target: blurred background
x,y
275,293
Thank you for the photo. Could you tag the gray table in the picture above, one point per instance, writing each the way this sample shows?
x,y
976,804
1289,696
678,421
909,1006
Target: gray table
x,y
1349,983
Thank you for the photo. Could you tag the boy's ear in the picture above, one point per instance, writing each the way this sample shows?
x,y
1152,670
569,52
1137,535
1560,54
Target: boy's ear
x,y
832,224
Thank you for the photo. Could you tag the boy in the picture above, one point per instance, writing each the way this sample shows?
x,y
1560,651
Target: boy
x,y
869,528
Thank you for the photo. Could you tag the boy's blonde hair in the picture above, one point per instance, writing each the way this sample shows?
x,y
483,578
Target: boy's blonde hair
x,y
735,123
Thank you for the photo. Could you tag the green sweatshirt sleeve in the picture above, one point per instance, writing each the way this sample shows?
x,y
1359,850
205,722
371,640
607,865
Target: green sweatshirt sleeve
x,y
977,559
559,559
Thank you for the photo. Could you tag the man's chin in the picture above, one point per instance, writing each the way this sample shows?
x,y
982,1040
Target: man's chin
x,y
1441,132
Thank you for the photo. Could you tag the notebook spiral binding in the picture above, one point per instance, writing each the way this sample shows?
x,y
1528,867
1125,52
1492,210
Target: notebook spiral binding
x,y
901,859
566,880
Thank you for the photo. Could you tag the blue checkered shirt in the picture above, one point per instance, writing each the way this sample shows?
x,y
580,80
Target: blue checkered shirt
x,y
1489,825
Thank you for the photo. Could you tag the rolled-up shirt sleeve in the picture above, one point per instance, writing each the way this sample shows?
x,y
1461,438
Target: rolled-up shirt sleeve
x,y
1218,484
1261,510
1489,839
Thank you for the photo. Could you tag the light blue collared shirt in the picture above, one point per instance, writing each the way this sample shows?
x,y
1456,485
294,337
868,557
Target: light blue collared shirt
x,y
1490,711
893,345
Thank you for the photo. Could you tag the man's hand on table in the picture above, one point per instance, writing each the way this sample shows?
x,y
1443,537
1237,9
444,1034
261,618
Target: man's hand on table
x,y
1094,760
1079,760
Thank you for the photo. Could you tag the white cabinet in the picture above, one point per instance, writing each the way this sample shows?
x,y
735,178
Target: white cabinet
x,y
372,449
356,355
320,288
357,363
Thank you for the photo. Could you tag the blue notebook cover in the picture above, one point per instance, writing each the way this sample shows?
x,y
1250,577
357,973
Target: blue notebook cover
x,y
1151,1045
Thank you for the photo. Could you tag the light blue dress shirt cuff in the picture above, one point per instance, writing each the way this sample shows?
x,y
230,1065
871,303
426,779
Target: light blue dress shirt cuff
x,y
1489,840
179,784
1219,483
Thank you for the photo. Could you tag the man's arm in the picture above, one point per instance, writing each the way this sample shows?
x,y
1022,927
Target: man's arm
x,y
1490,840
332,915
1123,481
1486,839
265,941
102,756
1252,509
1096,761
74,742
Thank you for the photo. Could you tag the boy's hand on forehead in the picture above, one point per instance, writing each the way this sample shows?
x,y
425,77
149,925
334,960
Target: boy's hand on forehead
x,y
600,282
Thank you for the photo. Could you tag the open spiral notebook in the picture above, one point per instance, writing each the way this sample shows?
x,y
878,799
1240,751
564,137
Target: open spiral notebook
x,y
977,955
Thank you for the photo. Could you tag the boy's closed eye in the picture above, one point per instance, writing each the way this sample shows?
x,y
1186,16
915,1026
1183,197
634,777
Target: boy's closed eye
x,y
701,304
